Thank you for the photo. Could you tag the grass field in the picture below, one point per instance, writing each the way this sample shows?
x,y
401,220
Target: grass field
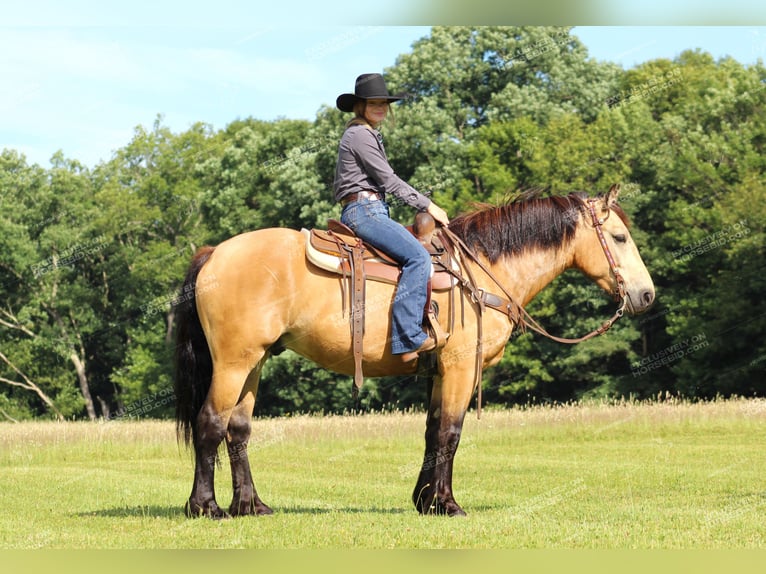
x,y
661,475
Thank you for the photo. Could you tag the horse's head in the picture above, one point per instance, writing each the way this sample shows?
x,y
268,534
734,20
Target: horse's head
x,y
626,271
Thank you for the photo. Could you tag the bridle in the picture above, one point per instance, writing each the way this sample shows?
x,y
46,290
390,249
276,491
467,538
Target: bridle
x,y
598,222
515,312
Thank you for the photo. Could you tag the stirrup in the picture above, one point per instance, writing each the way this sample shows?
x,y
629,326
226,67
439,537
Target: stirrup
x,y
434,328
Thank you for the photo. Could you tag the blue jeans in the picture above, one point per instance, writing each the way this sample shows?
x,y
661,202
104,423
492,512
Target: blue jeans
x,y
370,220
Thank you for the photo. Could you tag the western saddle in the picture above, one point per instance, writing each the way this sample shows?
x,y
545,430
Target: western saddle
x,y
338,250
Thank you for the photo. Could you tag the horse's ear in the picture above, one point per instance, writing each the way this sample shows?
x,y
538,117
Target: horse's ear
x,y
611,197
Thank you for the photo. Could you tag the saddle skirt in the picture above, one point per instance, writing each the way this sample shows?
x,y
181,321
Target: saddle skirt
x,y
329,250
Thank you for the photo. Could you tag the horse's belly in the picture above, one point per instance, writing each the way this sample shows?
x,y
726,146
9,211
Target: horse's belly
x,y
323,333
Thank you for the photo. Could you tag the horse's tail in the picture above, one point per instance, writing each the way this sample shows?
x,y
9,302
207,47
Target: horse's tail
x,y
193,362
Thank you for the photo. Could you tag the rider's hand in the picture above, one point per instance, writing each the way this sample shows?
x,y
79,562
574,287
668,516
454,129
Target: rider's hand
x,y
438,214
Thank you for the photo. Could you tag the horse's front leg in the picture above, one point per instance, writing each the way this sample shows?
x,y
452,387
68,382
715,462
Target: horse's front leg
x,y
446,411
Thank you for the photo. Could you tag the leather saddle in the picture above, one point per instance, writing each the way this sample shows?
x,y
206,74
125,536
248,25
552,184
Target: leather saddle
x,y
338,250
329,250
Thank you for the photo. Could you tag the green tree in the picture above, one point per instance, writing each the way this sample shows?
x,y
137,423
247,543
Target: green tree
x,y
50,312
150,197
702,210
266,176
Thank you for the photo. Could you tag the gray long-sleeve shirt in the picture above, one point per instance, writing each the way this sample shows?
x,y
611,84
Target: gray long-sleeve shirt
x,y
363,165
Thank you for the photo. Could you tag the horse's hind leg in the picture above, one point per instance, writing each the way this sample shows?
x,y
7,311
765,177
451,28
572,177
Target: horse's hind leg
x,y
210,431
245,499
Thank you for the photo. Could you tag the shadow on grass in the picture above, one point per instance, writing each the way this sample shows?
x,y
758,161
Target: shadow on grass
x,y
340,510
173,512
151,511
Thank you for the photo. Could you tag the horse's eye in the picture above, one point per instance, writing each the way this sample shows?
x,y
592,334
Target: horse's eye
x,y
620,238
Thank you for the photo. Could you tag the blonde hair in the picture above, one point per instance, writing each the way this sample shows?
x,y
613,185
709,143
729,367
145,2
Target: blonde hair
x,y
359,120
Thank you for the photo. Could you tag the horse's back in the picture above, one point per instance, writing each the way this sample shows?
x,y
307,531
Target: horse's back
x,y
270,244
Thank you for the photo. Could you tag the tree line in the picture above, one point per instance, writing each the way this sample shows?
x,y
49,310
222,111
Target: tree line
x,y
92,259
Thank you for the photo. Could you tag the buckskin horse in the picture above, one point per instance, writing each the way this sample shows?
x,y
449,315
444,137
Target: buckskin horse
x,y
256,294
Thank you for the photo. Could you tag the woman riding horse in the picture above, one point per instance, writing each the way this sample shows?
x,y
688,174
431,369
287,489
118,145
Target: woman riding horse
x,y
256,294
363,177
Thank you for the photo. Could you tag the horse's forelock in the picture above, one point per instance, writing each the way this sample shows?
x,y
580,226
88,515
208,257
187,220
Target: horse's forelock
x,y
621,214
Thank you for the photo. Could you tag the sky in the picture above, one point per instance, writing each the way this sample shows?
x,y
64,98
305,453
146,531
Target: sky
x,y
81,82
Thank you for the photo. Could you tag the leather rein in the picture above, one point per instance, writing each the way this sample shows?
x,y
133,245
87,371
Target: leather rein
x,y
515,312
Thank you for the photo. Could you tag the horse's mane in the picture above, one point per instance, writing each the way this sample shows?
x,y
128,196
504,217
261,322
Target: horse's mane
x,y
529,222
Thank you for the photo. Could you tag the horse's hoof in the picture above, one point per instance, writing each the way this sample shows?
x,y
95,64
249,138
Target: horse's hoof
x,y
219,515
457,511
211,510
249,508
441,508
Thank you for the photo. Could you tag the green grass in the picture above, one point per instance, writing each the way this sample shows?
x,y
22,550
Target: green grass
x,y
662,475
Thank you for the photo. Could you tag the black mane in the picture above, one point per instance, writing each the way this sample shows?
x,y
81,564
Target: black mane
x,y
524,224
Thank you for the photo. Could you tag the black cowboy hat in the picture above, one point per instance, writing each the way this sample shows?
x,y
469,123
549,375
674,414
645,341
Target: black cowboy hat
x,y
368,87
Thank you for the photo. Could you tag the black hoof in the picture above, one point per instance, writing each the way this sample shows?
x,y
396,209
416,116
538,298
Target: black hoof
x,y
248,508
210,510
263,510
428,503
456,511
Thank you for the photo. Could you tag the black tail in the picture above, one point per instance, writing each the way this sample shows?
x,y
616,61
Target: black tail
x,y
194,365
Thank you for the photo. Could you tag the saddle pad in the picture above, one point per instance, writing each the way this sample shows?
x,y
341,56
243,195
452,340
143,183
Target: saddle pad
x,y
329,242
322,259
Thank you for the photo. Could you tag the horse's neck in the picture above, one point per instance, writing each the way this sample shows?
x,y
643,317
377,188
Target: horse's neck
x,y
524,276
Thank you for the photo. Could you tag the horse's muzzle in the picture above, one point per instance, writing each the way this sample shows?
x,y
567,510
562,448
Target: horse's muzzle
x,y
640,301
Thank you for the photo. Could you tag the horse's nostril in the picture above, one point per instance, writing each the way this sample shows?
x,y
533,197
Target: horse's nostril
x,y
648,297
